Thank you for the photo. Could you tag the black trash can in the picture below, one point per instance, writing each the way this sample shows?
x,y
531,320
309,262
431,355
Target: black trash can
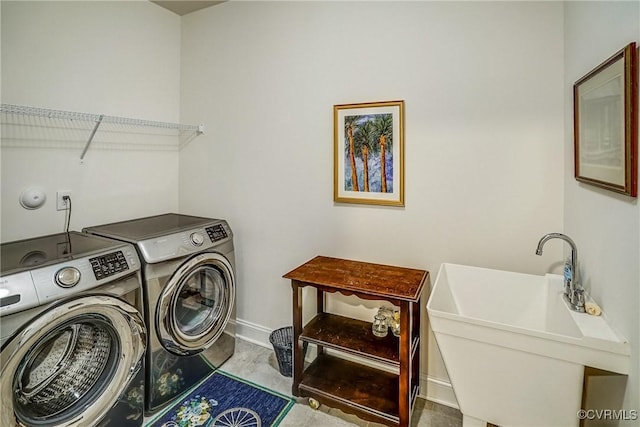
x,y
282,342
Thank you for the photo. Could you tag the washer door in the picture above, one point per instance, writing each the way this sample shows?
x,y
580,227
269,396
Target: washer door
x,y
70,364
196,304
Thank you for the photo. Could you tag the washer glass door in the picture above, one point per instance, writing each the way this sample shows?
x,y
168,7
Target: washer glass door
x,y
67,365
196,304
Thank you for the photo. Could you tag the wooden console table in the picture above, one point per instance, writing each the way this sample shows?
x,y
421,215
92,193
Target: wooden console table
x,y
372,394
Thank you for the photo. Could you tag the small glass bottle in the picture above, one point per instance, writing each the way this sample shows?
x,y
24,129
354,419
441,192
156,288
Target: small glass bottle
x,y
386,312
380,327
395,323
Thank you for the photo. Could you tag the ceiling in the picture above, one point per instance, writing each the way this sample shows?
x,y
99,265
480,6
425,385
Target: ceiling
x,y
182,7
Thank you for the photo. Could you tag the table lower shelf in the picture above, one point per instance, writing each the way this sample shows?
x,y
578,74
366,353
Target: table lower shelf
x,y
358,389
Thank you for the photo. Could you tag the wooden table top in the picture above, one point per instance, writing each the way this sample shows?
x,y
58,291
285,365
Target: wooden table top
x,y
380,280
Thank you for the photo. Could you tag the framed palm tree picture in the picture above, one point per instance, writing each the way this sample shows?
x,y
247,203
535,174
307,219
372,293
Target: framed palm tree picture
x,y
369,153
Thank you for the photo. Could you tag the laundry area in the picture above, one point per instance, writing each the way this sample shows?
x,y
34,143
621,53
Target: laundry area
x,y
318,213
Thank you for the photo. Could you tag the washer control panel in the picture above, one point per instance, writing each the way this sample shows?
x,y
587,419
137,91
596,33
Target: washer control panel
x,y
82,274
108,265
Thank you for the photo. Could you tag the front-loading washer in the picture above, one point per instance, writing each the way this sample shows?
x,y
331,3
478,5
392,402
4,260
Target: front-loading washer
x,y
72,332
188,274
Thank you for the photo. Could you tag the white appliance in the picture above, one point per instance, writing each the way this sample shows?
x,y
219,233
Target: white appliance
x,y
72,332
188,275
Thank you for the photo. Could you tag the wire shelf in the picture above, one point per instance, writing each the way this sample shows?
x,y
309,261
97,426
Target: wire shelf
x,y
48,126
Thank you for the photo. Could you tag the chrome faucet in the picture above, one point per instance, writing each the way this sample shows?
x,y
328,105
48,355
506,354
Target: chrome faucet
x,y
573,290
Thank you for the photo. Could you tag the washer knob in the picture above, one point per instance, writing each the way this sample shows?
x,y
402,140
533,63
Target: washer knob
x,y
68,277
197,239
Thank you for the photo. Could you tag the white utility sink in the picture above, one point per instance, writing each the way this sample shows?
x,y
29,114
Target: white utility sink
x,y
514,351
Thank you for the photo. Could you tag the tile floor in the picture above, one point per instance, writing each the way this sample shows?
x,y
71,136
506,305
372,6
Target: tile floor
x,y
259,365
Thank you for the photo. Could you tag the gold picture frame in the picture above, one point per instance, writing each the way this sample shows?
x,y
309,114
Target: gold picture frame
x,y
605,108
369,153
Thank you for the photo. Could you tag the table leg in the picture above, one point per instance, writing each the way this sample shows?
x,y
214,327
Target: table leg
x,y
320,309
298,357
404,397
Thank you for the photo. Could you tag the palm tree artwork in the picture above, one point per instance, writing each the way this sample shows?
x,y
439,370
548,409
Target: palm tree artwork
x,y
368,153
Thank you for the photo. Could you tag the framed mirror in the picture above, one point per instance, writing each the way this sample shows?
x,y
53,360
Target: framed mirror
x,y
605,108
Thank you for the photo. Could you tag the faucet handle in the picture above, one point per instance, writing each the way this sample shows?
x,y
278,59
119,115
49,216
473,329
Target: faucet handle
x,y
577,298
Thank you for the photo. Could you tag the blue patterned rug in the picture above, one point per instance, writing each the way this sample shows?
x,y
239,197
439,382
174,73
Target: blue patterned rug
x,y
225,400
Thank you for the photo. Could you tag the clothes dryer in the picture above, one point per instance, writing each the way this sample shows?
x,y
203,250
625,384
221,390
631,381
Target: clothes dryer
x,y
188,274
72,332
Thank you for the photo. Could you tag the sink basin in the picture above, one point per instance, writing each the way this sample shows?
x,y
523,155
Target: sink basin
x,y
514,351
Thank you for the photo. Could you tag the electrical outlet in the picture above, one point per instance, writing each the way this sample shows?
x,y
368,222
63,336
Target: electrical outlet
x,y
61,204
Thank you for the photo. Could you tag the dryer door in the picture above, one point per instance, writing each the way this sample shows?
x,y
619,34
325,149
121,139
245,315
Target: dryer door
x,y
69,365
196,304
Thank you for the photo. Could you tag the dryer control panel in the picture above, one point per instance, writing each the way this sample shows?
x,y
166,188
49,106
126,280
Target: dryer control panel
x,y
187,242
217,232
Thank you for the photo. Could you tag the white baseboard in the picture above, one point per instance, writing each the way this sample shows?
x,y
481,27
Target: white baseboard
x,y
438,391
254,333
433,389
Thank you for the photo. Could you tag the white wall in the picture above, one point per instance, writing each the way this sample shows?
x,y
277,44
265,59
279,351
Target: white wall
x,y
483,88
115,58
605,226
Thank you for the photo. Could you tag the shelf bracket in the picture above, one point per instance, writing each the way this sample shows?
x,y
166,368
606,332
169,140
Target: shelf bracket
x,y
93,133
